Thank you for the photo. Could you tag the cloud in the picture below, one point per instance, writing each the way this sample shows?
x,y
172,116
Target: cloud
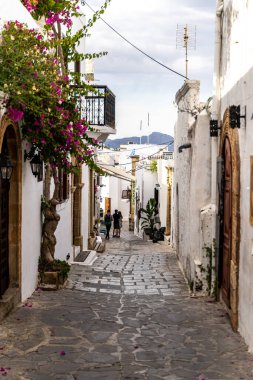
x,y
138,82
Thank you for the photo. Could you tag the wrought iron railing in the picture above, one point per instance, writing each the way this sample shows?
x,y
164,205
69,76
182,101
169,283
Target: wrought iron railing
x,y
98,107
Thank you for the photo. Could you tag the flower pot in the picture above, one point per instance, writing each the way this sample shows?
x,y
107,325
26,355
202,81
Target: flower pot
x,y
52,279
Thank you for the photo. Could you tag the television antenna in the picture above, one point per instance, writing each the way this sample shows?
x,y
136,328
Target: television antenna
x,y
186,39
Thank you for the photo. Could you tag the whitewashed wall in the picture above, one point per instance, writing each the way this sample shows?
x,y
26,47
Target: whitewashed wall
x,y
12,10
31,230
236,86
191,182
63,232
186,97
115,195
148,183
85,207
31,189
163,190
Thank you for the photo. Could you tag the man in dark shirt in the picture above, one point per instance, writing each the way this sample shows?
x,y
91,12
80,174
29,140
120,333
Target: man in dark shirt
x,y
116,218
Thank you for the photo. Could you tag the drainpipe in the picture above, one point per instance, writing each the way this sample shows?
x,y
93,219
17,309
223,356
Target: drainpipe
x,y
216,115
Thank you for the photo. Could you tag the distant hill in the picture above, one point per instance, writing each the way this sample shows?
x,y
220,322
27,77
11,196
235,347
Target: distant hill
x,y
154,138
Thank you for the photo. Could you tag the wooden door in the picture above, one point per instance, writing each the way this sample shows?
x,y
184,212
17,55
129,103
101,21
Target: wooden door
x,y
227,225
4,236
107,205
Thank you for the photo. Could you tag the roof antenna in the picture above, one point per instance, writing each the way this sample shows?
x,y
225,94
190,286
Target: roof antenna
x,y
186,39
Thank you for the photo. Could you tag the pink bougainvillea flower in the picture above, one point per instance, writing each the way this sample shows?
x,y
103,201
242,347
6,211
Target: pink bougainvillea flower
x,y
201,377
62,353
30,5
27,305
14,114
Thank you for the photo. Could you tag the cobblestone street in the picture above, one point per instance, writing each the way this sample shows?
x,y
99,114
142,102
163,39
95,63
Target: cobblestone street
x,y
128,316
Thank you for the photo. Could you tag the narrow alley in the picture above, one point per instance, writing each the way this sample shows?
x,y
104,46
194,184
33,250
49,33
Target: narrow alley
x,y
128,316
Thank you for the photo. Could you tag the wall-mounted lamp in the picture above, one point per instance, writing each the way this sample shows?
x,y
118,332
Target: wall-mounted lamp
x,y
184,146
35,162
157,186
36,165
235,116
6,167
214,128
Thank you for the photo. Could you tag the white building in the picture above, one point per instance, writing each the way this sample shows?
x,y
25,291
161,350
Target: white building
x,y
21,219
213,180
234,87
192,209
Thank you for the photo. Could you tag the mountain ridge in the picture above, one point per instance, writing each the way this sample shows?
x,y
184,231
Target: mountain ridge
x,y
156,138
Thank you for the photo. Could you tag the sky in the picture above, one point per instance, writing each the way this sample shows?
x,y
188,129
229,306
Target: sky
x,y
141,86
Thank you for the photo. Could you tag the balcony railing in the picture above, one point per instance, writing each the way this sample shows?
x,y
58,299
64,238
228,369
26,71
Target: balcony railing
x,y
98,107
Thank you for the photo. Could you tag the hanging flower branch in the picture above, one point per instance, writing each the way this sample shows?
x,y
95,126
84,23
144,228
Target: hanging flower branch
x,y
39,91
37,85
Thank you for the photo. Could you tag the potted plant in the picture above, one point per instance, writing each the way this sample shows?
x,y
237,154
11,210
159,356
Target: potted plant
x,y
148,217
53,273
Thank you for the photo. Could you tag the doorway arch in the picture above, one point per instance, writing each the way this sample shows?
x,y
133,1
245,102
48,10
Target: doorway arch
x,y
10,139
230,225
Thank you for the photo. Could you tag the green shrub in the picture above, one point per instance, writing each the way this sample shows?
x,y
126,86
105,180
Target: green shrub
x,y
60,266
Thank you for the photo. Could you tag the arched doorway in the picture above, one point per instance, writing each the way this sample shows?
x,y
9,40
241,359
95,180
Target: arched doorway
x,y
10,213
4,227
229,210
227,222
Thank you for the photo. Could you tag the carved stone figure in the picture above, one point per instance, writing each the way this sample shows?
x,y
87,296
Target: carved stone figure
x,y
51,217
48,230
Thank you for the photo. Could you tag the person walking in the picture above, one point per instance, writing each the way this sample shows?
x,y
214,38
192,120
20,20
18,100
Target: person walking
x,y
108,223
120,221
116,224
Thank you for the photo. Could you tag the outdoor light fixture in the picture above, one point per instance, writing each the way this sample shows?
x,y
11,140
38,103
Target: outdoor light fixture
x,y
36,165
235,116
184,146
6,167
214,128
35,162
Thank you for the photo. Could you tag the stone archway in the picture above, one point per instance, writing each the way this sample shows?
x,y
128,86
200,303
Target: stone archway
x,y
10,135
229,146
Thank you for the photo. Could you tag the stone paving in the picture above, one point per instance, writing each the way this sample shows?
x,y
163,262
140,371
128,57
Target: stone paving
x,y
106,325
135,267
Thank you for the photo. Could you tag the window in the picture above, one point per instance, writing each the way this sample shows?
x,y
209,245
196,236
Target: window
x,y
63,185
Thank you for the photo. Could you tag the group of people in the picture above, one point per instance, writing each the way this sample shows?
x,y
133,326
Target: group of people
x,y
116,218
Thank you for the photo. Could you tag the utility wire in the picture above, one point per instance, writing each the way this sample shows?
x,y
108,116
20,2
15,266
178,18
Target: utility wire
x,y
134,46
